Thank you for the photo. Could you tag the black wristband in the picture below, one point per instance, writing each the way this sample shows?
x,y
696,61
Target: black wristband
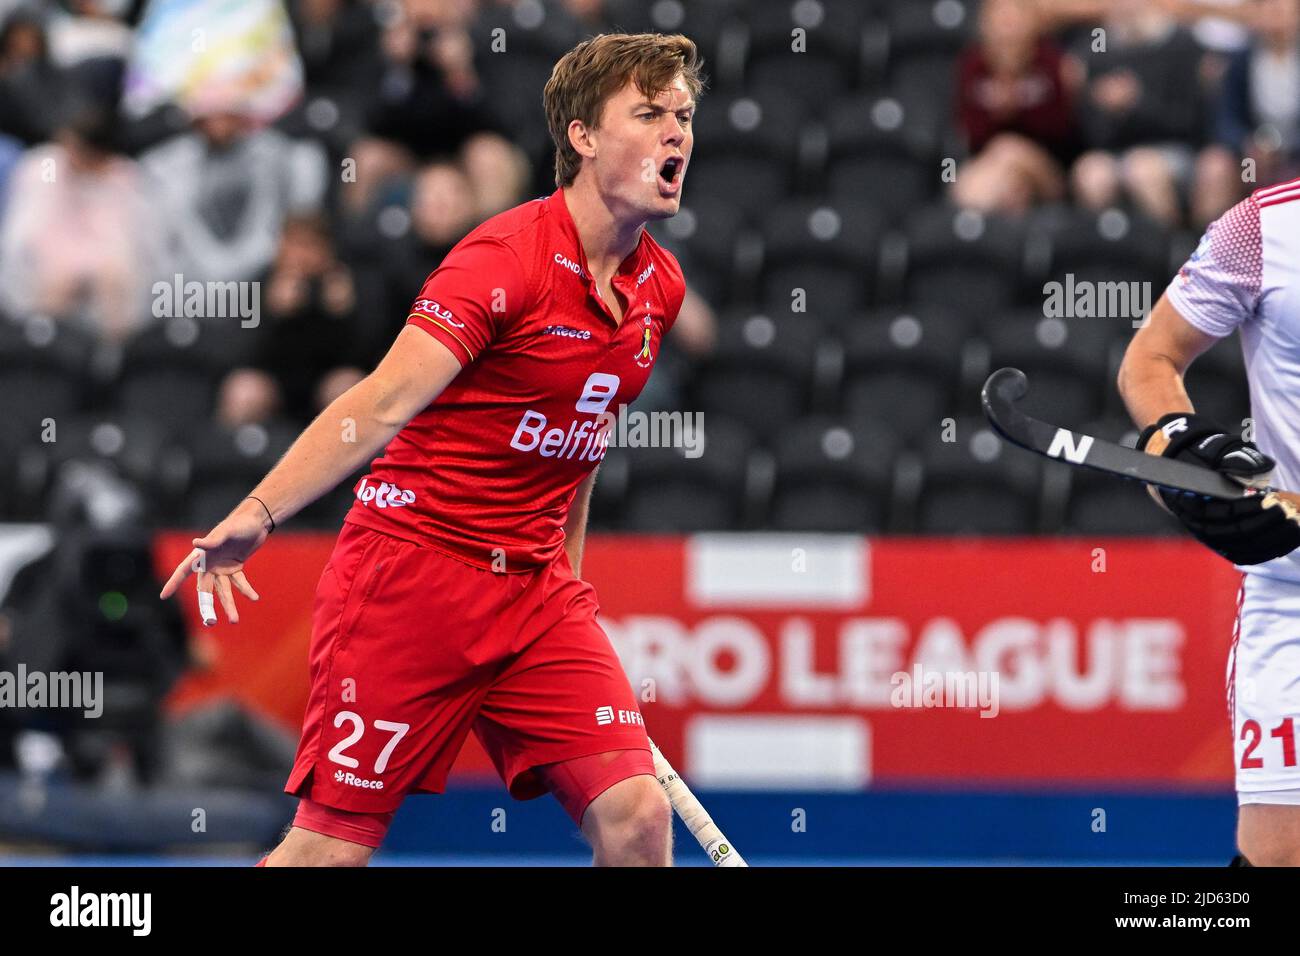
x,y
268,511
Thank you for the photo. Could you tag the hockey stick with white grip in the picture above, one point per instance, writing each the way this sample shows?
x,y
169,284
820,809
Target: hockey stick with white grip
x,y
701,825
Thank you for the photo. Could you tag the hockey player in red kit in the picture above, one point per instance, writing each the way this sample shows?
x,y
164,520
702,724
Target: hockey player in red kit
x,y
453,599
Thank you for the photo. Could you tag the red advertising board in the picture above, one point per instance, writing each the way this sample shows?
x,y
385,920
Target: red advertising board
x,y
840,662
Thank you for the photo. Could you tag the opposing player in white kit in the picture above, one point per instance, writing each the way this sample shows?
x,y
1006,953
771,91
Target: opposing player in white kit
x,y
1244,275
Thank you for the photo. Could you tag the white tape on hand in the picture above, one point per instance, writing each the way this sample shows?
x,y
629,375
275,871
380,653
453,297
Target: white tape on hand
x,y
207,609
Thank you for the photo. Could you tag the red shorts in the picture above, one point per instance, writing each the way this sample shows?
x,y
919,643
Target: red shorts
x,y
411,649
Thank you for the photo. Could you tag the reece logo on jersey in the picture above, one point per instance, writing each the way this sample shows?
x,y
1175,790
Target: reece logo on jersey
x,y
383,495
587,440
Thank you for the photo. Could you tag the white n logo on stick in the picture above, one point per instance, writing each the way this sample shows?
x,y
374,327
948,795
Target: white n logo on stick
x,y
1064,445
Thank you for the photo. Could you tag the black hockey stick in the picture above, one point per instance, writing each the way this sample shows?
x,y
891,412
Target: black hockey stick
x,y
1007,386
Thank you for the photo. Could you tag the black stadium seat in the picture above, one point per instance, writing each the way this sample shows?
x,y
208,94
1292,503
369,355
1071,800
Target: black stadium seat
x,y
45,370
686,490
903,370
829,253
761,371
881,151
976,484
833,476
1069,362
746,150
962,260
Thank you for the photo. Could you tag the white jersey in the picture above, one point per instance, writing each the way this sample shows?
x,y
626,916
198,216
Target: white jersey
x,y
1245,275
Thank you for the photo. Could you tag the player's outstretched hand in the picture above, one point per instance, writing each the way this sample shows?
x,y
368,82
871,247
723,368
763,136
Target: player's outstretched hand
x,y
217,561
1248,530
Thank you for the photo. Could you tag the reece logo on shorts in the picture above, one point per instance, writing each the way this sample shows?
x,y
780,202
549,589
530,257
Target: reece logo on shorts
x,y
352,780
383,495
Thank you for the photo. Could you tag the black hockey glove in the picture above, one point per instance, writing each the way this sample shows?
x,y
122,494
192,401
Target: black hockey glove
x,y
1248,530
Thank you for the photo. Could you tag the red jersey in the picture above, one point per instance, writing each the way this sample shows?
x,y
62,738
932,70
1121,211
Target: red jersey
x,y
487,472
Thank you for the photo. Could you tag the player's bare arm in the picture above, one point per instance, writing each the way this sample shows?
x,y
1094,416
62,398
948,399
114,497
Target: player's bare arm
x,y
413,373
1151,375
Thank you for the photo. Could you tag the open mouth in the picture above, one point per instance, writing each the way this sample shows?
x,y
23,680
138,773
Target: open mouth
x,y
670,170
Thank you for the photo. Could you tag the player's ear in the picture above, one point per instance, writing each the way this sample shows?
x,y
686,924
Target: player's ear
x,y
580,138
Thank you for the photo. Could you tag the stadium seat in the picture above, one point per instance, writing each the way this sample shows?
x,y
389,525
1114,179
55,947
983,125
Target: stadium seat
x,y
902,369
169,370
832,35
761,371
746,151
134,447
1070,363
669,491
704,21
942,27
1103,249
45,371
705,233
976,484
925,40
224,465
882,152
962,260
833,476
827,252
816,80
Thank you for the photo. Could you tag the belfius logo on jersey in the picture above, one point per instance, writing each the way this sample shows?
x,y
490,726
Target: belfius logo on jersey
x,y
383,495
585,440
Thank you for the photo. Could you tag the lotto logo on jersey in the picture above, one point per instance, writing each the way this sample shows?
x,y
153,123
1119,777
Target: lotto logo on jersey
x,y
383,495
584,441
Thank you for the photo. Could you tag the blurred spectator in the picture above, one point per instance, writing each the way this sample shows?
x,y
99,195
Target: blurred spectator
x,y
309,340
1258,113
89,29
227,188
31,86
80,239
442,212
430,99
1139,114
1015,112
498,173
247,396
430,103
338,41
